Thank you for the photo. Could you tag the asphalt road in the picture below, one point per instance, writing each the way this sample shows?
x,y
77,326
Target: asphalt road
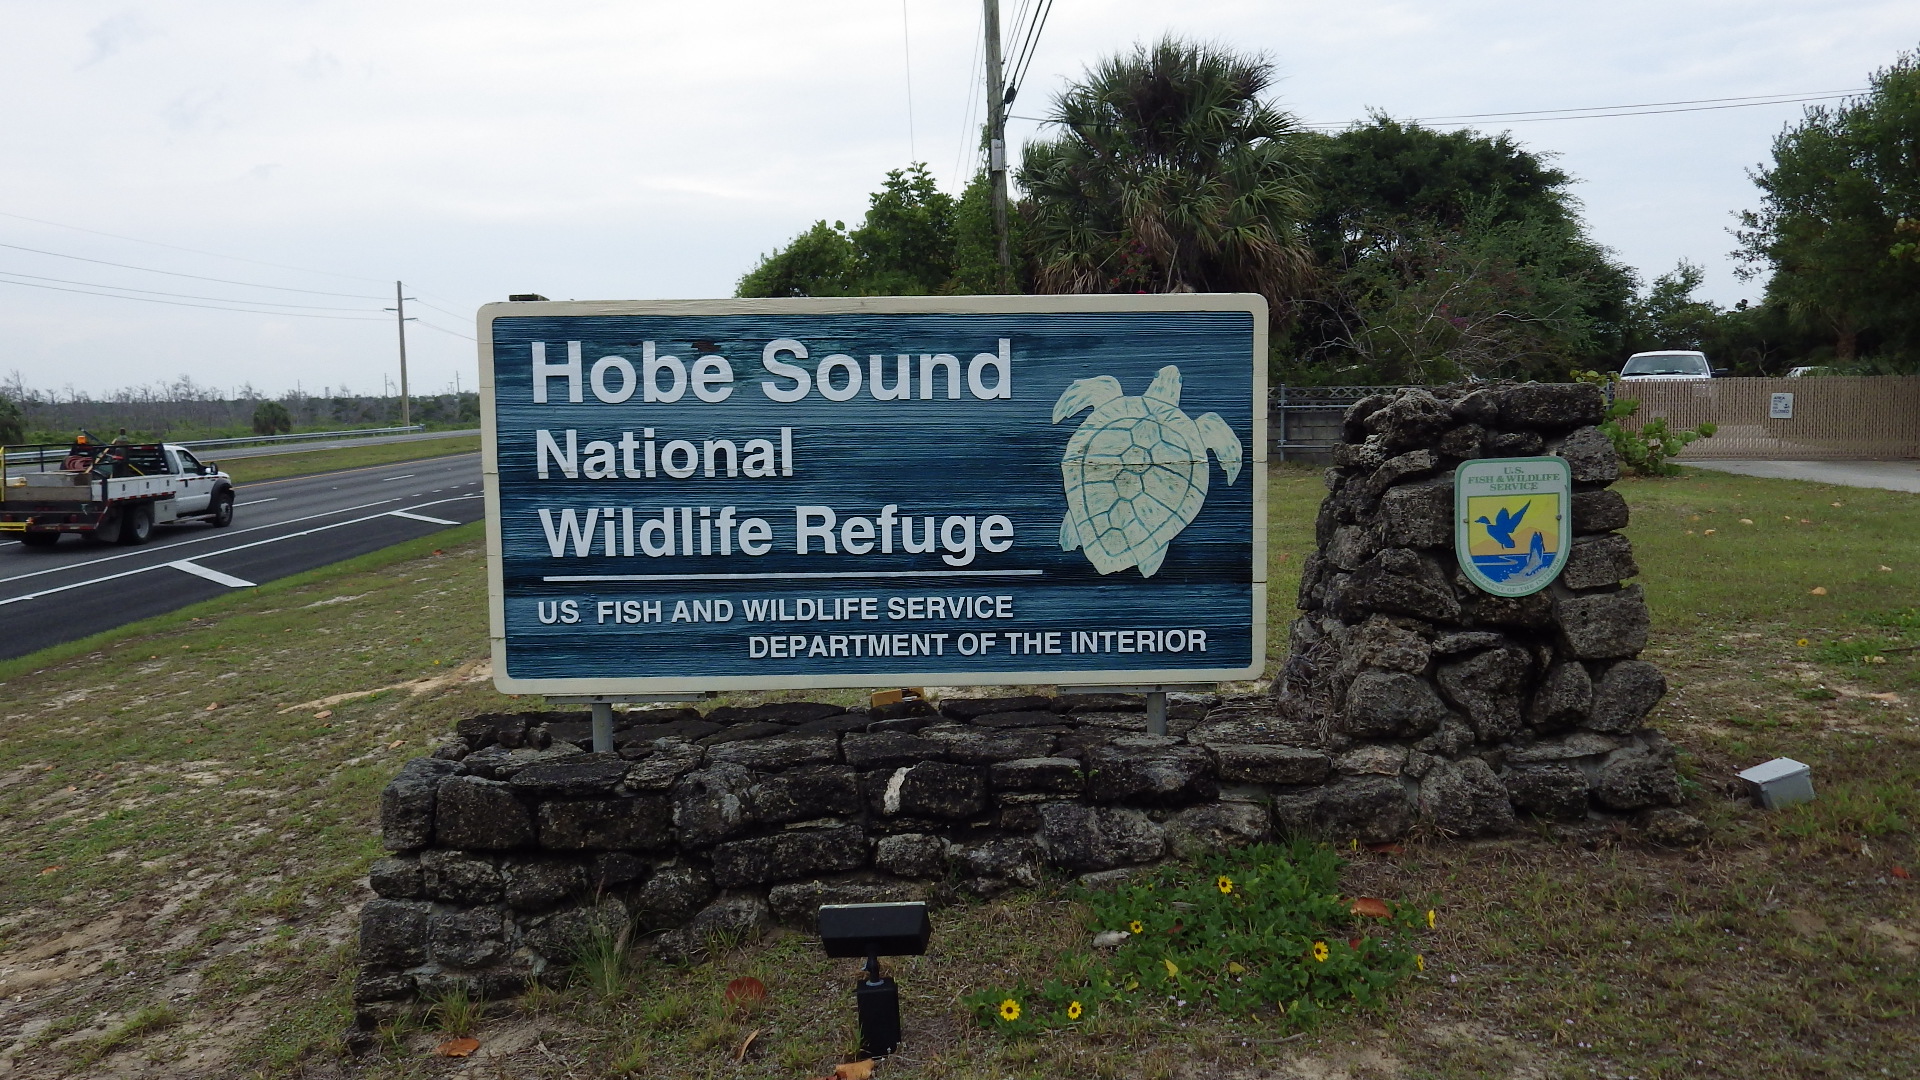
x,y
280,527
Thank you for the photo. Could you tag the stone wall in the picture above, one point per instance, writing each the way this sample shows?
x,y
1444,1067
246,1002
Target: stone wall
x,y
1409,699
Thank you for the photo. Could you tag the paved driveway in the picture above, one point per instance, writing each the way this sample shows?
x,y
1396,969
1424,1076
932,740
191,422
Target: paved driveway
x,y
1892,475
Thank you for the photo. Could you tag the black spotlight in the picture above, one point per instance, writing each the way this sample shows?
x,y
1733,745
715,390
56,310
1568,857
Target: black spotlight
x,y
874,931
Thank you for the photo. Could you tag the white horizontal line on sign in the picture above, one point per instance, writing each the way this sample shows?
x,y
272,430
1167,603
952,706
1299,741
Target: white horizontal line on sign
x,y
794,577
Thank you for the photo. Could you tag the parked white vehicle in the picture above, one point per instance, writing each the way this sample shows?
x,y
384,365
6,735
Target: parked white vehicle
x,y
115,491
1667,365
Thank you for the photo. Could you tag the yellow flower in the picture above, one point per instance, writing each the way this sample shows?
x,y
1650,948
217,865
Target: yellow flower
x,y
1419,961
1802,643
1073,1010
1320,951
1429,918
1224,883
1236,969
1173,969
1136,927
1009,1010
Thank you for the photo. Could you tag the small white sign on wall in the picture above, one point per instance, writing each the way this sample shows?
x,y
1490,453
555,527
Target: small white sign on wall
x,y
1780,407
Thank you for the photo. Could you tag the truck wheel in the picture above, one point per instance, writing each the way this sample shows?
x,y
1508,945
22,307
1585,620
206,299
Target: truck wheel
x,y
40,539
136,524
222,515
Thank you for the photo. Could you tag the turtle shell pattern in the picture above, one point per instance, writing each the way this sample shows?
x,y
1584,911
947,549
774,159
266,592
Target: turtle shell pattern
x,y
1136,475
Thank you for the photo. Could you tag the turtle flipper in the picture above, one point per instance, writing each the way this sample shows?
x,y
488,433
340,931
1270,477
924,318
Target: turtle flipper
x,y
1150,565
1166,387
1069,536
1086,394
1219,438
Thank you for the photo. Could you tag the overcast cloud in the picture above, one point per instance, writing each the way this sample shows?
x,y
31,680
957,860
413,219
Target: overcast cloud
x,y
640,149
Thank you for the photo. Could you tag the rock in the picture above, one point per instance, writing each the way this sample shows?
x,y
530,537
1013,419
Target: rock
x,y
688,731
1557,791
994,866
1378,643
397,879
1671,828
1353,423
1263,729
1270,764
1207,830
1371,809
373,984
460,878
731,918
1513,444
394,932
1165,776
903,725
779,752
809,791
497,763
1490,687
1574,745
1552,405
912,855
563,935
1372,759
407,803
1590,455
535,884
800,901
1534,612
888,750
746,731
1598,511
1413,463
1106,881
1107,939
1391,704
1467,641
1418,515
1020,810
1352,546
710,805
664,767
1633,779
1084,703
595,775
968,708
672,895
615,868
451,749
506,729
933,789
834,725
1462,442
1594,561
1480,407
1402,582
1464,798
778,712
1603,626
969,746
1562,698
1080,837
642,823
1625,693
1037,774
788,855
1413,419
472,937
1005,720
480,815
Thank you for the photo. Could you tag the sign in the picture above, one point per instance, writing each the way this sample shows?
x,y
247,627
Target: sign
x,y
1780,407
1512,522
764,494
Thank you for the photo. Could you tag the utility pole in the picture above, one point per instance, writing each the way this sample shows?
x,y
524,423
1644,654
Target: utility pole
x,y
997,133
399,310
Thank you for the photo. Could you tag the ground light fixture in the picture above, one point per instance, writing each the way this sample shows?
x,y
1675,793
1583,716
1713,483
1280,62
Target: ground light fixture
x,y
874,931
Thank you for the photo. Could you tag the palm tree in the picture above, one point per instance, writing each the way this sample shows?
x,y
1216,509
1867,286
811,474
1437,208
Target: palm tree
x,y
1171,175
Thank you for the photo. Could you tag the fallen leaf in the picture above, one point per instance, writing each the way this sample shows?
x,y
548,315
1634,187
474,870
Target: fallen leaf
x,y
1709,532
746,992
1746,521
50,870
1886,569
854,1070
1354,943
1889,696
464,1046
1901,873
1173,969
396,744
740,1055
1833,504
1818,590
1806,521
213,706
1370,906
1387,849
323,714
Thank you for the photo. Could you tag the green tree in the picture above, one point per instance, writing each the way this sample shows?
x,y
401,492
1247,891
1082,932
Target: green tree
x,y
271,418
13,423
904,247
1172,173
819,262
1838,227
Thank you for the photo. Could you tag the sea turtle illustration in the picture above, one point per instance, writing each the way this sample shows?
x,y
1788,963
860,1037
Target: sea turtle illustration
x,y
1136,470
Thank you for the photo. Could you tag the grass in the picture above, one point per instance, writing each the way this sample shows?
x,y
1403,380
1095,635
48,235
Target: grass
x,y
154,842
249,470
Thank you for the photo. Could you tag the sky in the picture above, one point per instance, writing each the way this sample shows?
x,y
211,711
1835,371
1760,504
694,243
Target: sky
x,y
311,153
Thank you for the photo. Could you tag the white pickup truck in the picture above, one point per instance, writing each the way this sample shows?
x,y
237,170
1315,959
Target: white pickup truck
x,y
108,492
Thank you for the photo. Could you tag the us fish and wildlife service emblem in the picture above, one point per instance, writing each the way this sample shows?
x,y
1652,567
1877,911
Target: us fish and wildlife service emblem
x,y
1512,521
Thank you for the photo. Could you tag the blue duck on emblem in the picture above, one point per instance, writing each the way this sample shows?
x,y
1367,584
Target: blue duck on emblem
x,y
1135,470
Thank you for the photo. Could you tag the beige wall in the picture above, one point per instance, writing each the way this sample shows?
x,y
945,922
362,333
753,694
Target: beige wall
x,y
1833,416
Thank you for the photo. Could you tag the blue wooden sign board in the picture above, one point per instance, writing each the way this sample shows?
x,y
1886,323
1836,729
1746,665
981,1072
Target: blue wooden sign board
x,y
764,494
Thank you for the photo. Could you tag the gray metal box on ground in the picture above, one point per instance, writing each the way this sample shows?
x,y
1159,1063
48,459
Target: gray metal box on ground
x,y
1779,783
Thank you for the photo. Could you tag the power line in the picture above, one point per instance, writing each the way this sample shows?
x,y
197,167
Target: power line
x,y
1534,116
1807,96
176,303
196,277
441,310
160,292
177,247
1024,53
968,136
442,329
906,49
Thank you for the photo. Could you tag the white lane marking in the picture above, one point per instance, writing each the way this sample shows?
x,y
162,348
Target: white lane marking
x,y
210,535
214,576
391,479
211,554
420,517
257,502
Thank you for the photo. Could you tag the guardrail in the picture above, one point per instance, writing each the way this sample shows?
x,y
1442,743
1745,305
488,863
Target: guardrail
x,y
42,456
